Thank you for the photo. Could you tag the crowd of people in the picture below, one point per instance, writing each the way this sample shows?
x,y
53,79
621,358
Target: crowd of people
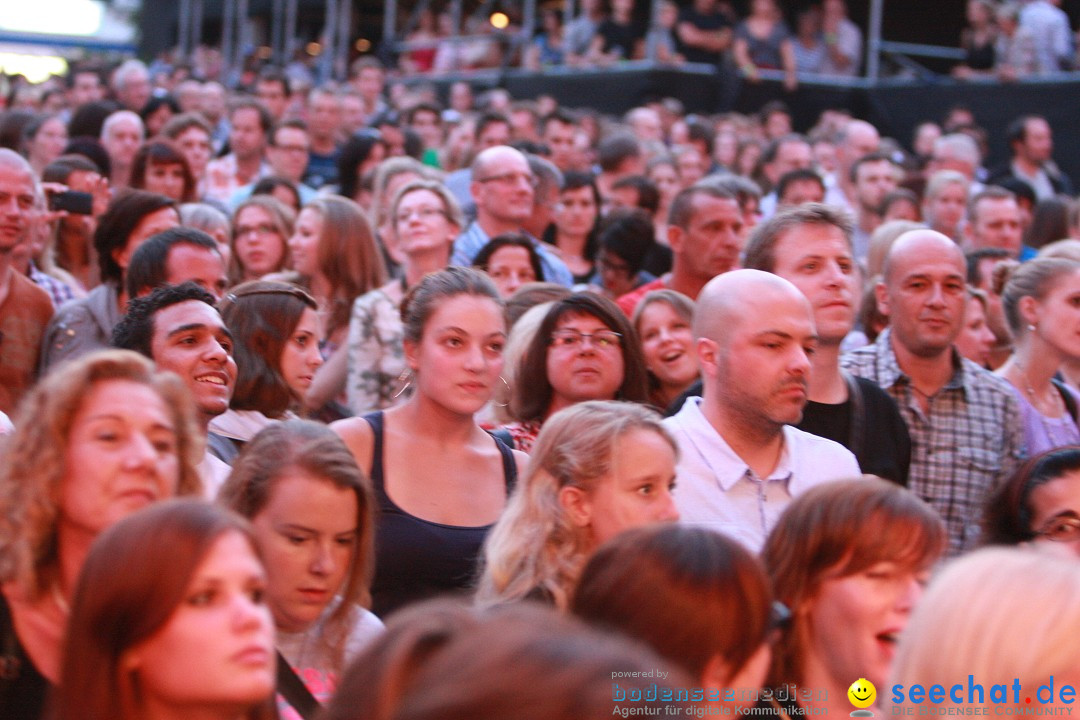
x,y
335,404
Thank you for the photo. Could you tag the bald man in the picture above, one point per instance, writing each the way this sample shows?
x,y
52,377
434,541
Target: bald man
x,y
964,422
741,461
503,187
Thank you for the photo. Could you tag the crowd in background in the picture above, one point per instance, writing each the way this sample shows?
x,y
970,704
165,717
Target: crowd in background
x,y
355,401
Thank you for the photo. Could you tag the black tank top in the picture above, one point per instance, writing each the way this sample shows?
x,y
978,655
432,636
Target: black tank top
x,y
23,690
416,559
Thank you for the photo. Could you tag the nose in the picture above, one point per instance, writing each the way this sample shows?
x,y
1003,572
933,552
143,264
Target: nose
x,y
667,511
247,613
140,452
937,296
800,362
909,594
322,563
474,358
215,352
314,357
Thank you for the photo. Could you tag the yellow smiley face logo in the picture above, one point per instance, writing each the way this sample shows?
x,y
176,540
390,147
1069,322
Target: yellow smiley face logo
x,y
862,693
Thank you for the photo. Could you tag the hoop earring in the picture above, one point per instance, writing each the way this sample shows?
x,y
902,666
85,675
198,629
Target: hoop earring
x,y
406,376
509,392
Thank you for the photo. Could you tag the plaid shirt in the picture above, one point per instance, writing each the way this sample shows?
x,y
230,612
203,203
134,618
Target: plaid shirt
x,y
59,291
969,442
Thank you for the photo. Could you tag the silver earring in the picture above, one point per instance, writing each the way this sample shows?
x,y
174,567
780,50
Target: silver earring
x,y
509,392
406,377
1032,328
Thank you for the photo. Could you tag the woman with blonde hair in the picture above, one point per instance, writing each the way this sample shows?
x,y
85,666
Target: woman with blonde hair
x,y
1040,302
992,618
850,591
97,439
597,468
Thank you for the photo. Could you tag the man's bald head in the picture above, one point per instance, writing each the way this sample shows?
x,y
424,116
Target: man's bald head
x,y
916,244
493,156
725,300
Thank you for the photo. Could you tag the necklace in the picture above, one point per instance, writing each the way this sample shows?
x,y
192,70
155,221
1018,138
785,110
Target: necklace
x,y
1059,411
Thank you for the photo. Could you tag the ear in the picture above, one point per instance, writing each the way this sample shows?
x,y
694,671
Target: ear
x,y
575,502
674,237
881,294
1029,310
708,352
412,354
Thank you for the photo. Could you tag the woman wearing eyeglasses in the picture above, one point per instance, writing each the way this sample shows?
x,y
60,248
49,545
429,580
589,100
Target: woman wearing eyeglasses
x,y
584,349
1040,503
261,226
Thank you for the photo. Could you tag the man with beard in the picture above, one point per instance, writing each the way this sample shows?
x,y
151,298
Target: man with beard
x,y
740,459
964,421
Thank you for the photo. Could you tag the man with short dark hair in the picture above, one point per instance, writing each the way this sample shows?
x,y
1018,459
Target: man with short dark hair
x,y
810,247
873,176
993,221
741,461
273,91
964,422
324,124
798,187
178,327
781,156
705,226
287,157
175,256
1031,143
557,132
250,124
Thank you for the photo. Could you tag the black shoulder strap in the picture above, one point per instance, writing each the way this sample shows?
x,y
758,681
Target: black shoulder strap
x,y
858,414
1070,401
293,689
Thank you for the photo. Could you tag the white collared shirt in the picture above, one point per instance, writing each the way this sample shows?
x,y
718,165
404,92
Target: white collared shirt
x,y
718,490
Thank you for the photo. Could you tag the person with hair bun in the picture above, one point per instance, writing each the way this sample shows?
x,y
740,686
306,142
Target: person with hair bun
x,y
850,591
1041,302
312,511
440,480
95,440
696,597
170,621
597,469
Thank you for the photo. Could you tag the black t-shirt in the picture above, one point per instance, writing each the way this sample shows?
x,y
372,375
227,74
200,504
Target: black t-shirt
x,y
620,38
713,21
886,445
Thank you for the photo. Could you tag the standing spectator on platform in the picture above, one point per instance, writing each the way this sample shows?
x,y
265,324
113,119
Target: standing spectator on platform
x,y
1031,144
703,32
368,76
25,309
740,461
763,42
1049,25
978,41
993,221
843,40
178,327
250,125
131,85
616,37
580,31
705,234
808,43
874,176
811,248
273,90
121,135
964,422
503,189
1015,52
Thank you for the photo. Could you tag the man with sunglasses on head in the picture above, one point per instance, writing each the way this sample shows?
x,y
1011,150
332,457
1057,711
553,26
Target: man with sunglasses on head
x,y
503,188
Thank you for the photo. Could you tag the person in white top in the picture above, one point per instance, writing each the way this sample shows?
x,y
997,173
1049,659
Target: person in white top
x,y
740,461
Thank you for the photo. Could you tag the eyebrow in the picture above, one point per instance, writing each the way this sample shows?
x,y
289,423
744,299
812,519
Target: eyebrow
x,y
463,331
120,418
198,326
